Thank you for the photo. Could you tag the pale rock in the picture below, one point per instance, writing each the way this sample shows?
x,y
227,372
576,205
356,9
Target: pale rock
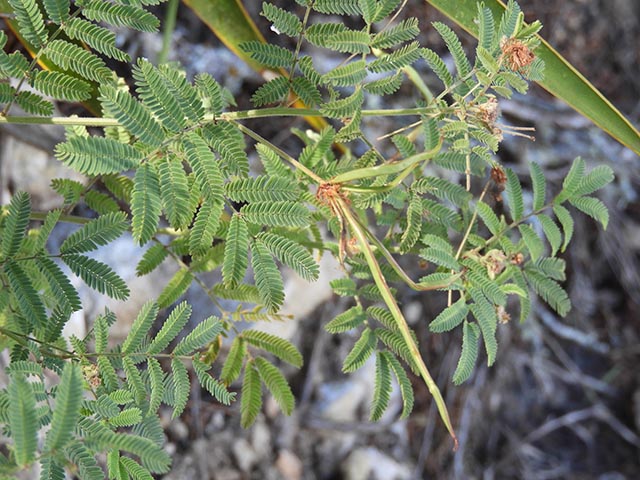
x,y
122,256
412,312
30,169
261,439
341,401
289,465
302,297
371,464
244,454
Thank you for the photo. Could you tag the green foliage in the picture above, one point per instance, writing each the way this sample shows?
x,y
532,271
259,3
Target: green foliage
x,y
169,163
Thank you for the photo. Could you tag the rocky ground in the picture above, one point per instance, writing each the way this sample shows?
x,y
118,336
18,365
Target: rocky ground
x,y
562,401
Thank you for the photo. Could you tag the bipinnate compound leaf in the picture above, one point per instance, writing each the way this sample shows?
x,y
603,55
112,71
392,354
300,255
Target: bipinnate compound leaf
x,y
23,420
15,225
277,385
280,347
469,353
251,399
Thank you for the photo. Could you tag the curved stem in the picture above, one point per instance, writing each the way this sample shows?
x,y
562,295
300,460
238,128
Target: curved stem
x,y
401,323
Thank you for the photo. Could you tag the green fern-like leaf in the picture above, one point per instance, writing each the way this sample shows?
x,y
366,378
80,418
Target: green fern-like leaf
x,y
213,386
267,277
22,419
276,214
151,259
592,207
200,336
187,95
291,254
384,86
312,154
443,189
30,21
50,469
98,38
346,75
140,328
29,301
455,47
97,275
66,295
101,202
552,232
596,179
344,107
156,382
13,65
228,142
277,385
469,353
401,58
120,15
406,390
539,186
337,7
549,290
489,218
251,402
211,92
80,455
486,28
414,224
396,343
33,103
61,86
134,470
262,189
280,347
130,113
572,180
57,10
307,91
235,252
283,21
157,95
438,66
15,225
181,387
98,232
72,57
550,267
97,155
170,329
450,317
440,257
145,203
514,195
233,364
487,321
360,352
174,191
532,241
348,41
271,92
176,287
317,34
346,321
566,221
126,418
305,64
382,388
268,55
404,31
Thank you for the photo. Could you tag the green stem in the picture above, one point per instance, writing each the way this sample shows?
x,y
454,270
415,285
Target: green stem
x,y
388,168
227,116
401,323
169,26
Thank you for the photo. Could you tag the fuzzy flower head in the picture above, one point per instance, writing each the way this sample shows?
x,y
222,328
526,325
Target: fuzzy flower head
x,y
517,54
